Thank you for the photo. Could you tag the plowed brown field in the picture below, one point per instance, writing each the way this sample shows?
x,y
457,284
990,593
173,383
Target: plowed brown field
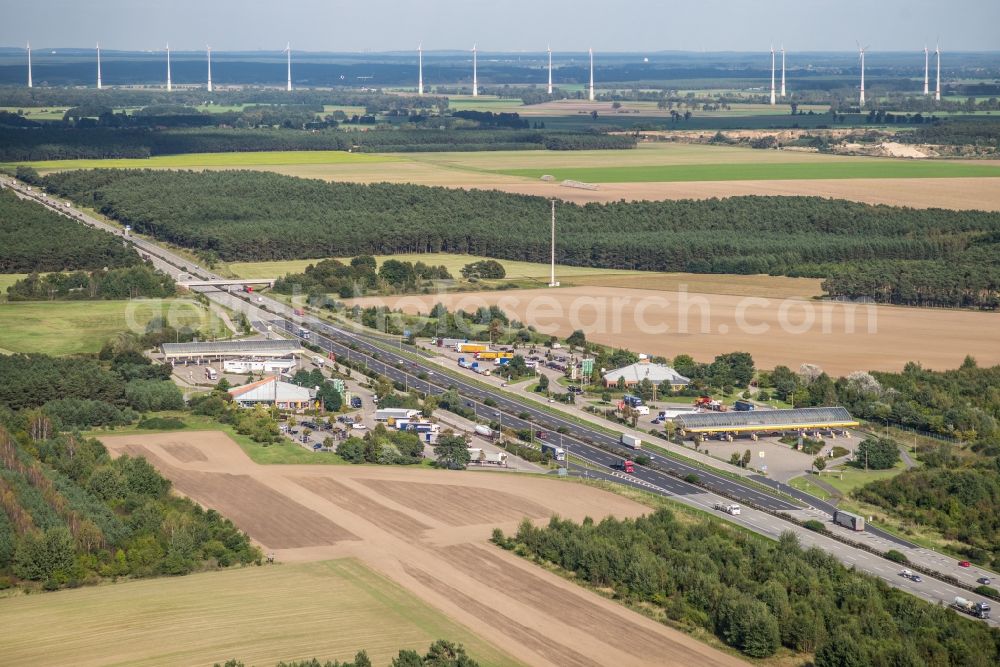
x,y
840,338
428,531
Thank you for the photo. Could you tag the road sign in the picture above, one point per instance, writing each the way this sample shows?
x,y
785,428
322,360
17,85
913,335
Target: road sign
x,y
587,366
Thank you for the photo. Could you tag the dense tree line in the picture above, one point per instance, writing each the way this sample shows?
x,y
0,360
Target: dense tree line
x,y
33,238
973,281
70,515
757,595
984,133
382,446
358,277
130,282
250,216
58,142
123,379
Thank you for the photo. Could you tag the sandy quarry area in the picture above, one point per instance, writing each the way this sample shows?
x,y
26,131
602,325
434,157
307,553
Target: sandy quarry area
x,y
428,530
840,338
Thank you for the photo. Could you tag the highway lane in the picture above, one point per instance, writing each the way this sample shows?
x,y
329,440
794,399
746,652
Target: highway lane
x,y
582,441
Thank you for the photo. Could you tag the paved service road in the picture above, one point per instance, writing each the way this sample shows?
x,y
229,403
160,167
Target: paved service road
x,y
587,443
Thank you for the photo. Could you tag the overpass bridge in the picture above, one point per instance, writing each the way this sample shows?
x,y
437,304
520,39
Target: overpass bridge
x,y
225,282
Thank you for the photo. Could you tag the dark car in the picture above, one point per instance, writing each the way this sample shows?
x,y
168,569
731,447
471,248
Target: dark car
x,y
540,435
317,447
985,581
355,401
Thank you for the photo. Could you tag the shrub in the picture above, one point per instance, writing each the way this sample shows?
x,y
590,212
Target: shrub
x,y
816,525
896,556
161,423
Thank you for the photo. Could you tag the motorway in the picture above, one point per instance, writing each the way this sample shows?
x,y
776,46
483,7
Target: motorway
x,y
597,448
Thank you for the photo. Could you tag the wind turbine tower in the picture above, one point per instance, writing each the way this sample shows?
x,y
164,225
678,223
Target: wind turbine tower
x,y
170,85
927,70
552,272
420,69
937,87
475,73
209,49
288,52
99,66
782,70
772,76
591,77
862,98
550,69
29,65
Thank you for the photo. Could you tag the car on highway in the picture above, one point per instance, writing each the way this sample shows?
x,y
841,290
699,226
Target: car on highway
x,y
964,563
985,581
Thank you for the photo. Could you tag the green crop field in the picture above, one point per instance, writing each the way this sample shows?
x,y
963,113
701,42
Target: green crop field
x,y
73,327
39,113
260,615
875,168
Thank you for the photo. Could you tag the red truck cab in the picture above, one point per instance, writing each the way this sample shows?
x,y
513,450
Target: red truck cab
x,y
628,467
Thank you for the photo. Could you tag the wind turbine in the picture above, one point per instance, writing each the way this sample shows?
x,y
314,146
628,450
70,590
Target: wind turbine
x,y
772,75
99,66
209,49
937,88
29,64
420,69
550,68
782,70
288,52
591,51
861,50
475,73
170,85
927,70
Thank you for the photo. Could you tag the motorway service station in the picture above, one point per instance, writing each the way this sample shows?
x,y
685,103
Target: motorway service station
x,y
729,425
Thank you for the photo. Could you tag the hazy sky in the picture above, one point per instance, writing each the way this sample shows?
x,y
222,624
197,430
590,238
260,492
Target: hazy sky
x,y
504,25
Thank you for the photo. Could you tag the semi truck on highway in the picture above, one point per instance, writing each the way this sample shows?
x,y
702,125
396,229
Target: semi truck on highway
x,y
557,453
728,508
627,466
977,609
848,520
631,441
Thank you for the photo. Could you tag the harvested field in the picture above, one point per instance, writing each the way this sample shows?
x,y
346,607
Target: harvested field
x,y
840,338
261,616
427,530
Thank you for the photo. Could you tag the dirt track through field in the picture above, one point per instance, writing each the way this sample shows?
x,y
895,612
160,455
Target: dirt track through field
x,y
428,530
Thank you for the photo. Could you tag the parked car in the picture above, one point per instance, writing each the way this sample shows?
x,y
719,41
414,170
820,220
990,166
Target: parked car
x,y
964,563
358,426
317,447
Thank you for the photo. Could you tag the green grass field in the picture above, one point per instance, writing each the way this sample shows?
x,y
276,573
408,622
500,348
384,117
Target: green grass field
x,y
854,478
74,327
259,615
875,168
39,113
202,160
804,484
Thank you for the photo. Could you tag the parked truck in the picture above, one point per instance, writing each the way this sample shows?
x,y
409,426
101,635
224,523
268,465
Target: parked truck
x,y
557,453
728,508
464,363
848,520
977,609
743,406
631,441
632,401
485,431
385,414
211,373
471,348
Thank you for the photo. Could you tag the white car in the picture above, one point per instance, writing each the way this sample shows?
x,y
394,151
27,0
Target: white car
x,y
358,426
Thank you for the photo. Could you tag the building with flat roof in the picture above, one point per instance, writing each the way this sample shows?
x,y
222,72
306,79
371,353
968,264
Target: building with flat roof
x,y
765,421
644,369
272,391
227,349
